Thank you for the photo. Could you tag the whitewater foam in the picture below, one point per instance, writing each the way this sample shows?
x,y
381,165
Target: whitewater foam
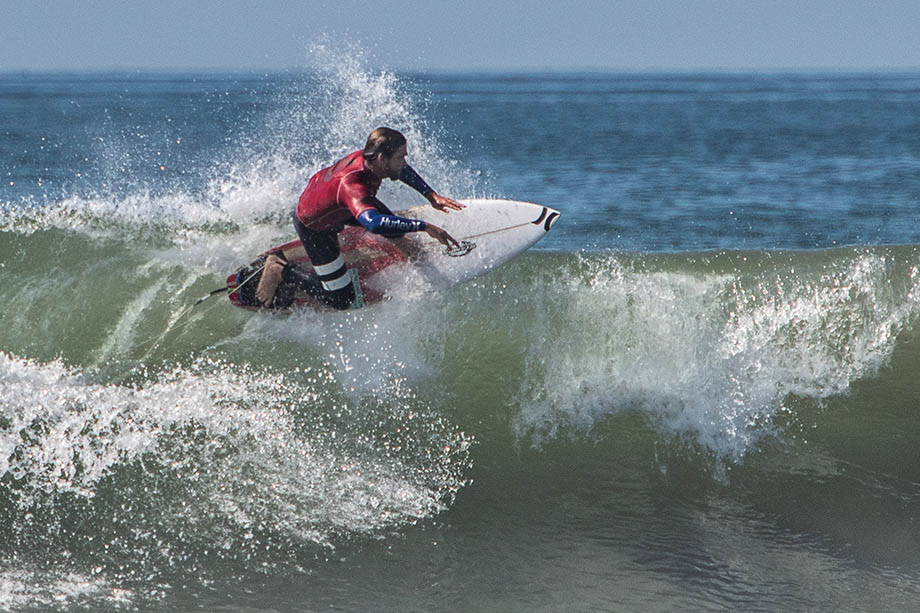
x,y
709,357
255,461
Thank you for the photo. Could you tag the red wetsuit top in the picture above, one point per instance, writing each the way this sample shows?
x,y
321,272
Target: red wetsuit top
x,y
338,194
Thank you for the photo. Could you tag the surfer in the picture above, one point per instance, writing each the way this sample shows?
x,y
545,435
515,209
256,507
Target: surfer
x,y
346,193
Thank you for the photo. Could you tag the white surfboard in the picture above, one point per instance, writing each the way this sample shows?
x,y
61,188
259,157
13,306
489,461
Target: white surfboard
x,y
491,233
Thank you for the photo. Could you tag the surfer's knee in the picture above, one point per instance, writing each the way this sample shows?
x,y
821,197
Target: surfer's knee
x,y
338,290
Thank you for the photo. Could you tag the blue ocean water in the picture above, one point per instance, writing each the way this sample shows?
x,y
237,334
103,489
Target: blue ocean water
x,y
697,392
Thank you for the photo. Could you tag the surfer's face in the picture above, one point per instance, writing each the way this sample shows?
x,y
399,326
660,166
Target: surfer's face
x,y
394,164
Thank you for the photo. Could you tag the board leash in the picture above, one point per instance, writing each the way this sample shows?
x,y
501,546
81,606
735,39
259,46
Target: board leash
x,y
496,231
214,292
153,342
466,245
226,288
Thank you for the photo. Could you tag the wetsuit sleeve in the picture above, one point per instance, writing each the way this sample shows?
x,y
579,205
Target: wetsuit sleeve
x,y
389,225
413,180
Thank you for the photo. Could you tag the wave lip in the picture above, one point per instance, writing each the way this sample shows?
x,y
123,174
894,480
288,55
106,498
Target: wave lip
x,y
709,346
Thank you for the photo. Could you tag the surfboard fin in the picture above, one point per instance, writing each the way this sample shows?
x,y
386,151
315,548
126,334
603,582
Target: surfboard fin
x,y
359,295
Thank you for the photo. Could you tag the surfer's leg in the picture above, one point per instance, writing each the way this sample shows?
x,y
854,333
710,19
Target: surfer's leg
x,y
304,281
323,250
271,277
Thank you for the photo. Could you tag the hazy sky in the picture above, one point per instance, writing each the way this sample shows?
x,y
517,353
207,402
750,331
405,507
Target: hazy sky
x,y
464,34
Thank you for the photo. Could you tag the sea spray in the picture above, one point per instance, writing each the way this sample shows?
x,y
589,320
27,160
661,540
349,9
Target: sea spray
x,y
362,98
210,463
709,353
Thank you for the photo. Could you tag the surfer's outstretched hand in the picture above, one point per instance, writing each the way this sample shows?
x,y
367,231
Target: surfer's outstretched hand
x,y
438,233
443,203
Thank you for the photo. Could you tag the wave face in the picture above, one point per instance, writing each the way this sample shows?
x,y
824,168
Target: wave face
x,y
709,343
187,438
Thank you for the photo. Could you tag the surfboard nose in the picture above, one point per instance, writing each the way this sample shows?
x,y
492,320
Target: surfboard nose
x,y
547,218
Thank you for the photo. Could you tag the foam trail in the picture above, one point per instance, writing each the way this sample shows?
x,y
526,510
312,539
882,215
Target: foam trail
x,y
244,460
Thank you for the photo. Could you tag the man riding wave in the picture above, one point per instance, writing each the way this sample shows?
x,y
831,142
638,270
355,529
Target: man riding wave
x,y
346,193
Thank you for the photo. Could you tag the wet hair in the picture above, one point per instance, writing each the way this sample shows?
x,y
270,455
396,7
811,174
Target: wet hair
x,y
383,141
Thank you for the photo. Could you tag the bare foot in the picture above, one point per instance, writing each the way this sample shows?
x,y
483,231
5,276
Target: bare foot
x,y
271,278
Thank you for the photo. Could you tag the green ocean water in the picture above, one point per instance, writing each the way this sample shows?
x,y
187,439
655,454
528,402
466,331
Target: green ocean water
x,y
697,392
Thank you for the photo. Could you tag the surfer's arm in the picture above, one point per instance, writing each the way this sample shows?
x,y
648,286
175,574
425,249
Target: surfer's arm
x,y
413,180
395,226
389,225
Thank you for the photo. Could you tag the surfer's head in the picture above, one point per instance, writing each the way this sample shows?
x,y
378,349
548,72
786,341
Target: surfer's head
x,y
385,152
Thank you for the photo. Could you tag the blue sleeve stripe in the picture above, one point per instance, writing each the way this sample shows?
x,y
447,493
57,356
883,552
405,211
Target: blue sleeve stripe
x,y
388,225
